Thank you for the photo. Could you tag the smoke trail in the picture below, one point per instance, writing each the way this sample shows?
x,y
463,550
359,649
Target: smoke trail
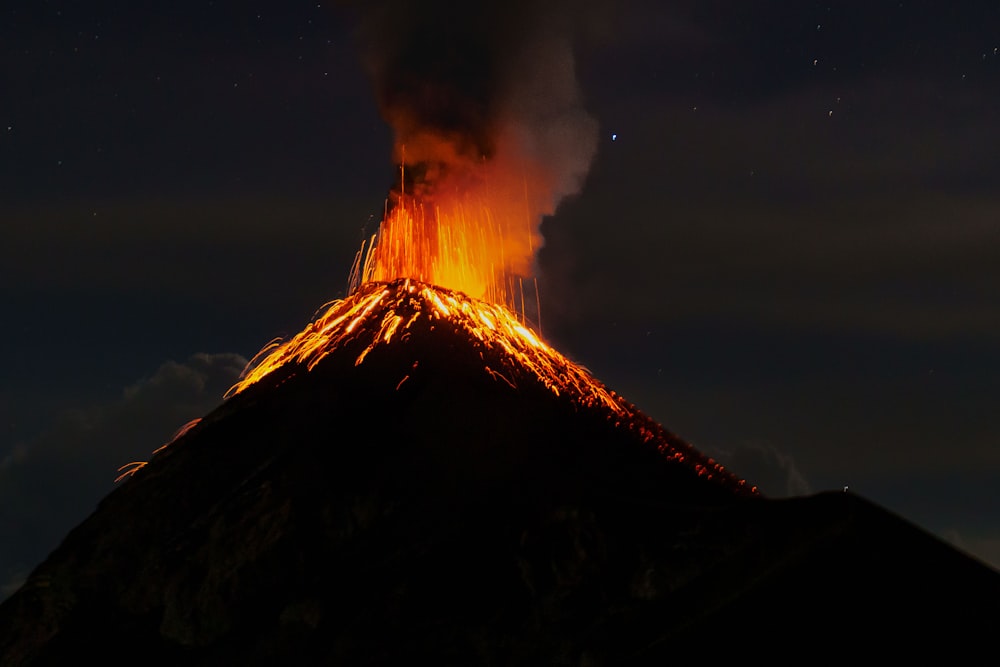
x,y
473,85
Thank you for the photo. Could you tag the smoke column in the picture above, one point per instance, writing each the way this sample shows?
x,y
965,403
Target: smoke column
x,y
482,97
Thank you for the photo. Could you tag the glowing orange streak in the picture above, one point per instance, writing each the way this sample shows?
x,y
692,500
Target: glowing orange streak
x,y
130,469
458,243
492,325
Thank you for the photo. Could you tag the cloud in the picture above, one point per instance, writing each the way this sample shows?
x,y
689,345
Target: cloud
x,y
51,483
771,470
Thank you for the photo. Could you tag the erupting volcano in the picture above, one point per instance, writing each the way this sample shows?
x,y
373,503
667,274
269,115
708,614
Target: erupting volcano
x,y
484,149
452,257
489,137
418,477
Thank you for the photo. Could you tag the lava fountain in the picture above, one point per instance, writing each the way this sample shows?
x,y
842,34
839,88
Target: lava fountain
x,y
476,235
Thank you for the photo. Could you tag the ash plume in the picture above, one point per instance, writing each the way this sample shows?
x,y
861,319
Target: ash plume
x,y
479,91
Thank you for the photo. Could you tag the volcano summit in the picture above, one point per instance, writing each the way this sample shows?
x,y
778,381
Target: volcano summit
x,y
417,478
414,331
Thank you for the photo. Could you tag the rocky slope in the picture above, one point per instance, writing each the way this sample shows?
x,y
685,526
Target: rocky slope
x,y
342,516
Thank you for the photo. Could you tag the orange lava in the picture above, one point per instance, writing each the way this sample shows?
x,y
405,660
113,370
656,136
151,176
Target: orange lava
x,y
475,232
461,254
380,313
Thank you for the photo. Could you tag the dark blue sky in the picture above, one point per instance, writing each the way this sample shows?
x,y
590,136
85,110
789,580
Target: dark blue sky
x,y
790,254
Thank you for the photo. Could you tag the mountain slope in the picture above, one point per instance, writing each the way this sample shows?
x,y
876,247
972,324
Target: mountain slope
x,y
418,507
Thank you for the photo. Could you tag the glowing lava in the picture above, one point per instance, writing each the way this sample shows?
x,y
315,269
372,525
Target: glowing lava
x,y
460,244
472,229
382,313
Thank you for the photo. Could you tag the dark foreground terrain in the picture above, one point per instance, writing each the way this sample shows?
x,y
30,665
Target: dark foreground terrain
x,y
341,517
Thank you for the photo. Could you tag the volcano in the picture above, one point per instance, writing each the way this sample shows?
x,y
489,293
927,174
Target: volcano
x,y
417,478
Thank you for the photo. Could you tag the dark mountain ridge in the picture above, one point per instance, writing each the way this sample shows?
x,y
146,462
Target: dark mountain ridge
x,y
430,499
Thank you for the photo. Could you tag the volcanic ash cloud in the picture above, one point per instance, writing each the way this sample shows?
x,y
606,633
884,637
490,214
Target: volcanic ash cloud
x,y
485,109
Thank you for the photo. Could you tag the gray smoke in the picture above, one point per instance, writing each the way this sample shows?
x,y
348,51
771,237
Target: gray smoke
x,y
466,83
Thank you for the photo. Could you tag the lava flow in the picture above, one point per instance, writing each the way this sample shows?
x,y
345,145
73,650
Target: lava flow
x,y
380,314
383,315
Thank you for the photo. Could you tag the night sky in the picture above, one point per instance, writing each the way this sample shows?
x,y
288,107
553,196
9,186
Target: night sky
x,y
786,248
